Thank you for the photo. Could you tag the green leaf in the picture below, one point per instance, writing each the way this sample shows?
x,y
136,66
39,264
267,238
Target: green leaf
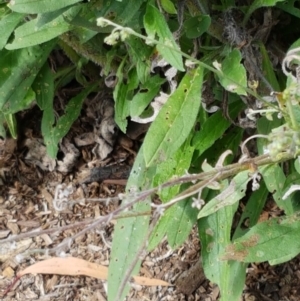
x,y
274,178
123,94
252,211
179,219
123,12
39,6
18,71
214,127
12,125
214,234
293,178
27,34
181,223
230,195
264,127
43,19
44,90
145,95
177,223
53,135
168,6
257,4
196,26
176,116
291,7
17,105
297,165
2,128
7,25
268,69
129,233
230,141
139,53
155,23
234,76
264,242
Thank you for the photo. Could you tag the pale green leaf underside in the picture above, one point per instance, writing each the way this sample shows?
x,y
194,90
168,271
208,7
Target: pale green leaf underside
x,y
230,195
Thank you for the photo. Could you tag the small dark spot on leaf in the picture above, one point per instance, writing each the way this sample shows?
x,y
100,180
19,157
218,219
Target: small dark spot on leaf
x,y
144,90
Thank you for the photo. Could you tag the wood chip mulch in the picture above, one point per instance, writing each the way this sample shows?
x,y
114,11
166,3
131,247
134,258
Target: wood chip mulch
x,y
26,204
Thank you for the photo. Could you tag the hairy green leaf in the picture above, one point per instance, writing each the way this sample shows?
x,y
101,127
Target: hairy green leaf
x,y
145,95
168,6
196,26
179,219
178,115
123,92
155,23
18,71
2,128
252,210
268,68
233,77
214,127
39,6
44,90
45,18
123,12
234,192
263,242
12,124
183,219
7,25
129,233
139,53
53,134
274,178
214,233
28,35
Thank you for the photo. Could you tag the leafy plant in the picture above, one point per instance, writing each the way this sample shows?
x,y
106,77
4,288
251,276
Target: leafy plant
x,y
130,39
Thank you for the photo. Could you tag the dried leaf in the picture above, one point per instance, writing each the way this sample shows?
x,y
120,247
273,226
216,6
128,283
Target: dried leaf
x,y
75,266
